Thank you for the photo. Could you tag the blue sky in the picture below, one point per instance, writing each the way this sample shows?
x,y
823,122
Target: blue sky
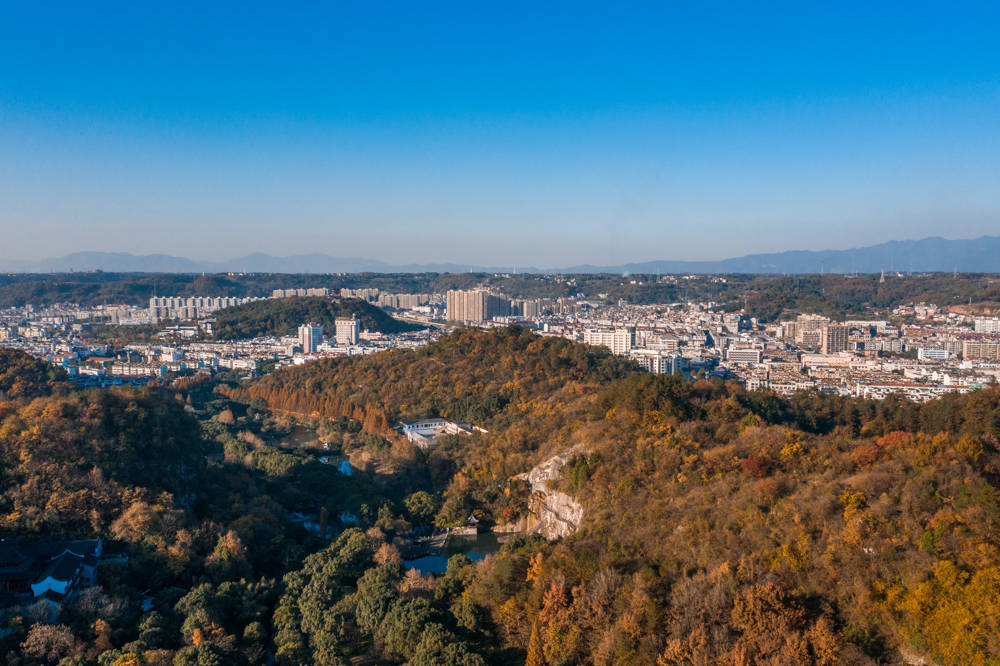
x,y
501,133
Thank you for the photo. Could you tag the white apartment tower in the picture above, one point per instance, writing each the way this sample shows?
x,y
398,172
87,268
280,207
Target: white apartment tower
x,y
987,325
619,341
348,331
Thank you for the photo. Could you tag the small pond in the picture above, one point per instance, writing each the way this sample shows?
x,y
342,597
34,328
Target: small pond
x,y
475,547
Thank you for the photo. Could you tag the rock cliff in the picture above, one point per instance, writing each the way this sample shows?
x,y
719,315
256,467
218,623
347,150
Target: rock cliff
x,y
553,513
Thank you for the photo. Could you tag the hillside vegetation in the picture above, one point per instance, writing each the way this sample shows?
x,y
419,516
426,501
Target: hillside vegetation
x,y
719,526
22,376
283,316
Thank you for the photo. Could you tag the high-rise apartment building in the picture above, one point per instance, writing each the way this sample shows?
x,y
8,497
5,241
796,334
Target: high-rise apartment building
x,y
476,305
809,329
619,340
348,331
657,362
365,294
988,326
310,337
402,301
193,307
834,339
289,293
976,349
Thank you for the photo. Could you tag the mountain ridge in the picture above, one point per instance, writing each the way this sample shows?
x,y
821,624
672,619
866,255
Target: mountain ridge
x,y
932,254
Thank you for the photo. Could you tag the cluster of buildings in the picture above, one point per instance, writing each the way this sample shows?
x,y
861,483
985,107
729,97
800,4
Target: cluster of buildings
x,y
920,350
924,351
475,306
64,335
425,432
53,571
481,306
289,293
347,332
188,308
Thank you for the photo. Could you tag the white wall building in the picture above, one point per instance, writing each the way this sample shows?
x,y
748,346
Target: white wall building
x,y
348,331
988,326
619,341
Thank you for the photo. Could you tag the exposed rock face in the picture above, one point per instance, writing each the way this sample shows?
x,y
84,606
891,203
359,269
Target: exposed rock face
x,y
910,657
553,514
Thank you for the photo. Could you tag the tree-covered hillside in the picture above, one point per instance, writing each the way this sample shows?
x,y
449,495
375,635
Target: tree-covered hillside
x,y
469,375
719,526
22,376
83,458
195,506
283,316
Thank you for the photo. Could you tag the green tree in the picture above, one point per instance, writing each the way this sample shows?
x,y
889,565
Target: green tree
x,y
421,506
440,647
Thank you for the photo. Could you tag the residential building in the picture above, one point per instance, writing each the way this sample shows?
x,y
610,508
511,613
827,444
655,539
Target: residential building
x,y
658,362
834,339
365,294
180,307
619,340
475,305
348,331
980,349
736,355
289,293
987,325
310,337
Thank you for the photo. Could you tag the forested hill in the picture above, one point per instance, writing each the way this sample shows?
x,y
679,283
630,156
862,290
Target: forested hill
x,y
469,375
719,525
22,376
283,316
74,461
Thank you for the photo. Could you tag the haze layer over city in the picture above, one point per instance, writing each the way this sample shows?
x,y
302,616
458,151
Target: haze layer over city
x,y
458,335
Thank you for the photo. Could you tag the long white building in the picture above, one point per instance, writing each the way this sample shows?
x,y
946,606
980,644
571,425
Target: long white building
x,y
191,307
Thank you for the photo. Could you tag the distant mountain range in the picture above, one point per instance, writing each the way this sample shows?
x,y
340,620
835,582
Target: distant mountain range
x,y
979,255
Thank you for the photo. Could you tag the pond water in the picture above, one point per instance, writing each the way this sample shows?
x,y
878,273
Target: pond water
x,y
475,547
300,436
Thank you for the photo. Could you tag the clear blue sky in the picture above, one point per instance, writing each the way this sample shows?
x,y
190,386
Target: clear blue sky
x,y
495,133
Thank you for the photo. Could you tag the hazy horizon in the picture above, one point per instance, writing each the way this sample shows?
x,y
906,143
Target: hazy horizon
x,y
218,258
550,136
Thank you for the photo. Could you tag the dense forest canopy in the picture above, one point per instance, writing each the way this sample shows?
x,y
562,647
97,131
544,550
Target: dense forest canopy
x,y
818,529
765,296
22,376
82,458
468,376
283,316
719,526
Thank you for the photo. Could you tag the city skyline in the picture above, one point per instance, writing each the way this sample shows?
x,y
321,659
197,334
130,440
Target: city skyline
x,y
546,137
